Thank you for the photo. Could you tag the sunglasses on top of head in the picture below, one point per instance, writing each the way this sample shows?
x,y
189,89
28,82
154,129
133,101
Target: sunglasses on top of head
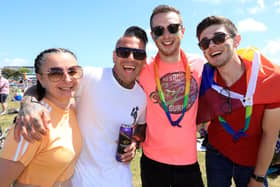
x,y
56,74
172,29
124,52
218,38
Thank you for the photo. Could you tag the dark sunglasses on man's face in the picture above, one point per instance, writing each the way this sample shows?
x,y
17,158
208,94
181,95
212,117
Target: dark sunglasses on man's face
x,y
159,30
124,52
56,74
218,38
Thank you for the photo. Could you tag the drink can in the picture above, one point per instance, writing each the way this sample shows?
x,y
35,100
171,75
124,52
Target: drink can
x,y
125,135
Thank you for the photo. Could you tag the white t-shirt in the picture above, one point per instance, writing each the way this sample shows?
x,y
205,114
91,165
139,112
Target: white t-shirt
x,y
102,106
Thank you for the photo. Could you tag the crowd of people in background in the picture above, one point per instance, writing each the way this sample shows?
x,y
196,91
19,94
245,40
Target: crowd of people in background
x,y
14,87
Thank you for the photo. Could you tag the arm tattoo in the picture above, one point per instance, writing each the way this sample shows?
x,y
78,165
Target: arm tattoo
x,y
29,104
27,100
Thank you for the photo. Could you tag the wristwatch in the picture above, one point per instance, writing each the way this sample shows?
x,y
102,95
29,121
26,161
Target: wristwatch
x,y
258,178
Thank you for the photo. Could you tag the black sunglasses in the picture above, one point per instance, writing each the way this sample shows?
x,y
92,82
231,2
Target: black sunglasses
x,y
159,30
56,74
124,52
218,38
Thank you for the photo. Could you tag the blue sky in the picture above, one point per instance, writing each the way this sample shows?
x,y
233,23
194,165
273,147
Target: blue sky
x,y
91,28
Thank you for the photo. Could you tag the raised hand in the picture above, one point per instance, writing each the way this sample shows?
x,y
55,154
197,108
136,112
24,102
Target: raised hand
x,y
32,121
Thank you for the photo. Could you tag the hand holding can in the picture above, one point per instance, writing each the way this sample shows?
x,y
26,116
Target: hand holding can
x,y
125,135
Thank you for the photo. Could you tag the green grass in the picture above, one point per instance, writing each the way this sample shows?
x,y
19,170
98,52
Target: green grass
x,y
6,121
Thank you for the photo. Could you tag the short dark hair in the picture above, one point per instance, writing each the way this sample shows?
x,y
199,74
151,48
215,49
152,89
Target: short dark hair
x,y
137,32
164,9
216,20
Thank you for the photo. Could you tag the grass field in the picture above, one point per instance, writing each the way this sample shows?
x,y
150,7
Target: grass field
x,y
6,121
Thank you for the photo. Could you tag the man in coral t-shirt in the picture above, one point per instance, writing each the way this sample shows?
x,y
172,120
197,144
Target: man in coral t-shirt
x,y
171,83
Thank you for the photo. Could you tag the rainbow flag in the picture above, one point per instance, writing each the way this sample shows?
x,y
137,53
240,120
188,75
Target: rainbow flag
x,y
263,79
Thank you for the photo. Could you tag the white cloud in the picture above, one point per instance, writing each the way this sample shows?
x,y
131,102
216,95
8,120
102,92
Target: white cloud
x,y
211,1
259,7
252,25
272,50
253,10
15,62
277,5
222,1
261,3
246,1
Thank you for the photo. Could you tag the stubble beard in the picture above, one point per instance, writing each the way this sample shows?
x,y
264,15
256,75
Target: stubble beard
x,y
121,81
168,52
225,59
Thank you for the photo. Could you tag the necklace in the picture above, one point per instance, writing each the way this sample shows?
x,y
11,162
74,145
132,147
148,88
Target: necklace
x,y
187,89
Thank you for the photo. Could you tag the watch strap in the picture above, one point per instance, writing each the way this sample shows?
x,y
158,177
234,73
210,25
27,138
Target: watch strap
x,y
258,178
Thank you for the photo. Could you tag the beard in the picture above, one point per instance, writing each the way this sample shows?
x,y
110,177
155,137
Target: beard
x,y
223,59
169,51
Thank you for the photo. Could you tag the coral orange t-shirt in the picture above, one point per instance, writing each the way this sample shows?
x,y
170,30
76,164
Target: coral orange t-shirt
x,y
165,143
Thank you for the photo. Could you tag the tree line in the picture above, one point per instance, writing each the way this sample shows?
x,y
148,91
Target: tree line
x,y
15,74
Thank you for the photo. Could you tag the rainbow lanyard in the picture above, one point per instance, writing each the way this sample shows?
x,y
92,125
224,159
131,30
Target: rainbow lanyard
x,y
246,100
236,135
187,89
